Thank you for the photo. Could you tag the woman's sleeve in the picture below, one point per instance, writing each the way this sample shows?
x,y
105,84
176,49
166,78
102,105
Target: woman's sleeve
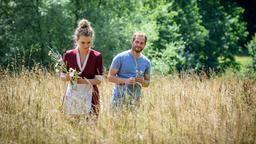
x,y
99,68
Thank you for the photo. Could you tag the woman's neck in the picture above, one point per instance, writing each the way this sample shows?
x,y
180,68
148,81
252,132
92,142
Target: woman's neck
x,y
83,51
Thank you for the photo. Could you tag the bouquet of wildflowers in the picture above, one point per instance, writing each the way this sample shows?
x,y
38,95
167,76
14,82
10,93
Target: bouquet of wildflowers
x,y
74,76
60,66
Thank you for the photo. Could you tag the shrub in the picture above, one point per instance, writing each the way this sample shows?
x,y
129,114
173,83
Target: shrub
x,y
252,50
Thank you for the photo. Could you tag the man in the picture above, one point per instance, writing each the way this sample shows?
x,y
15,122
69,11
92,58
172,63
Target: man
x,y
130,70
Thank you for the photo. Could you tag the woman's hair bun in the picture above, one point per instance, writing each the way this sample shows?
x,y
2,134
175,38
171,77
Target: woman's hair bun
x,y
84,24
83,29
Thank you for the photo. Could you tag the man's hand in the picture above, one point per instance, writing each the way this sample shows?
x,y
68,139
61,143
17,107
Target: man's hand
x,y
140,80
130,81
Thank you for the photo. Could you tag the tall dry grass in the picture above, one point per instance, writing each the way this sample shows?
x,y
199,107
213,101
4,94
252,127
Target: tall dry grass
x,y
172,110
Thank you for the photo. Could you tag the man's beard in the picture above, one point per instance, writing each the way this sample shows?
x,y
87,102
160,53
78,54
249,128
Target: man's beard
x,y
137,51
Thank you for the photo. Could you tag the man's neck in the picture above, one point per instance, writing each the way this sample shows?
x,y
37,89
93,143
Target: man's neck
x,y
135,54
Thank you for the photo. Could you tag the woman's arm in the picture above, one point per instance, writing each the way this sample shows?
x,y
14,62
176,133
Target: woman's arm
x,y
92,81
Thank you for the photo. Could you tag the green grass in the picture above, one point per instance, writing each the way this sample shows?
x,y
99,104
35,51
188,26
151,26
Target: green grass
x,y
244,61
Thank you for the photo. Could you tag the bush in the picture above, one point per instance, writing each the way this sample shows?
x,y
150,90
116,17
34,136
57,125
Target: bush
x,y
252,50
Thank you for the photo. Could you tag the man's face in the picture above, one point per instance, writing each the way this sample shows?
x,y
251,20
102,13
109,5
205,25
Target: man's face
x,y
138,44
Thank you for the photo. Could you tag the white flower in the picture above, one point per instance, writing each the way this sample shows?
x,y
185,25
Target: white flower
x,y
60,66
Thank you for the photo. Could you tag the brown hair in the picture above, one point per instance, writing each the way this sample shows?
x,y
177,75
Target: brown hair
x,y
84,29
139,34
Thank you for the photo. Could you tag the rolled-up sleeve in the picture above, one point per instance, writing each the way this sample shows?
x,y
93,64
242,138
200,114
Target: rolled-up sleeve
x,y
99,68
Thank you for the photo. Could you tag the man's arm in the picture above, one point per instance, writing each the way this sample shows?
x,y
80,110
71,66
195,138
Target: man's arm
x,y
147,76
113,78
146,80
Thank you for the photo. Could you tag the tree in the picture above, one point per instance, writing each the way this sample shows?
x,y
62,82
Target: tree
x,y
252,50
167,45
184,34
193,33
6,14
226,29
21,32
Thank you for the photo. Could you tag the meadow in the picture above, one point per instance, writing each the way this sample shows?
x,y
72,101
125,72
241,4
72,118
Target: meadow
x,y
172,110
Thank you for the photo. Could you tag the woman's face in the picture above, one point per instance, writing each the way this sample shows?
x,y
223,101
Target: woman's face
x,y
84,42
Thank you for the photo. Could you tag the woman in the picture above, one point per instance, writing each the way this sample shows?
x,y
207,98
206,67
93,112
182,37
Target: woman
x,y
84,98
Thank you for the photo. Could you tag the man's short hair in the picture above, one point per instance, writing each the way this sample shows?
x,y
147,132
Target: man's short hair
x,y
139,34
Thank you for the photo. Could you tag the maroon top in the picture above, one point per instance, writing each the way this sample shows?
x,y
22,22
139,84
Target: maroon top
x,y
94,66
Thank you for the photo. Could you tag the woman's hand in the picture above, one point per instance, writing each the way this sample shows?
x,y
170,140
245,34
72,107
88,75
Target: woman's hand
x,y
65,76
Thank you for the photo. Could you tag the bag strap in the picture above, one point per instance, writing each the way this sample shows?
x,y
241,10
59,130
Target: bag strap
x,y
90,84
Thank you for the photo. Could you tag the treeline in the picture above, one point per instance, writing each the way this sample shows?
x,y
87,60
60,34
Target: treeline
x,y
183,34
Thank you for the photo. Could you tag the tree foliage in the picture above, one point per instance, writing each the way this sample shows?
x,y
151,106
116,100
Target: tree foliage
x,y
226,30
193,33
166,49
183,35
252,50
